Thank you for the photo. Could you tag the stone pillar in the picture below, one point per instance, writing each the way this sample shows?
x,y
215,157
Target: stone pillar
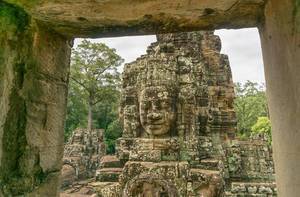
x,y
34,68
280,37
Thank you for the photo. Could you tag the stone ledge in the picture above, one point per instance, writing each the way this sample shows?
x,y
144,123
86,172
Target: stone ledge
x,y
123,17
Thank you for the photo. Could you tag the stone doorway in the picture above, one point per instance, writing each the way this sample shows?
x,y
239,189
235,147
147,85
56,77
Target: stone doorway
x,y
34,96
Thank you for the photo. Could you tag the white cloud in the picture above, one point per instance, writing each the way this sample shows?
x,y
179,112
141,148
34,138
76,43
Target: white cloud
x,y
129,48
244,51
242,46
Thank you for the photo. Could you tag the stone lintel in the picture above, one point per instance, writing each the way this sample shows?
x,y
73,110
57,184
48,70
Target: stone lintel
x,y
109,18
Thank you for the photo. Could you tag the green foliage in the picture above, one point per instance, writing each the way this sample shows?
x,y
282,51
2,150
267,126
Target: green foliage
x,y
76,110
263,126
24,3
112,133
250,103
107,111
12,19
94,88
94,70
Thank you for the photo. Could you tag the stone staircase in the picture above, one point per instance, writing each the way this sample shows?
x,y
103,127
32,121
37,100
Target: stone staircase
x,y
107,176
109,170
208,164
251,189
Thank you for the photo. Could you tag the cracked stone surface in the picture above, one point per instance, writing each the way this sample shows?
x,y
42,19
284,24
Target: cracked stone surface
x,y
124,17
34,73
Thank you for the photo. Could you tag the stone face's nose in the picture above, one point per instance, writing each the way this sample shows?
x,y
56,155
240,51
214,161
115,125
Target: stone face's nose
x,y
154,116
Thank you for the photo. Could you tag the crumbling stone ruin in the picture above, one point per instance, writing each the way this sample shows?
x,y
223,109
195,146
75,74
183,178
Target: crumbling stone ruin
x,y
249,168
179,124
82,154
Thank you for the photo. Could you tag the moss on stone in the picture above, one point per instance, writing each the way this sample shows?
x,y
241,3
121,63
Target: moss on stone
x,y
16,37
24,3
12,18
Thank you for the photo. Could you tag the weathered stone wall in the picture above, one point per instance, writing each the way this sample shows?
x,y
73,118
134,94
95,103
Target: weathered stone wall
x,y
34,66
13,58
82,154
249,168
250,159
280,38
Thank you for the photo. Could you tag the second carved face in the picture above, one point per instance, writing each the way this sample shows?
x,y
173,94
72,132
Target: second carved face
x,y
157,110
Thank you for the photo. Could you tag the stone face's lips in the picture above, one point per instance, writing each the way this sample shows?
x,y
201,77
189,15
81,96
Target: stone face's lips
x,y
157,126
156,123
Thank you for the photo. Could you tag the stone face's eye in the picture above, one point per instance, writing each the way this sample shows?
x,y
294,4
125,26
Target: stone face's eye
x,y
165,104
148,105
158,104
145,105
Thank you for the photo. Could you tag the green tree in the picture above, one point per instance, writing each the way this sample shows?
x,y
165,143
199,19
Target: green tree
x,y
94,71
250,103
112,133
108,119
263,126
76,109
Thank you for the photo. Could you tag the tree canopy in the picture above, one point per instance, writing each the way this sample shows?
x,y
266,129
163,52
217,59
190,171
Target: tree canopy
x,y
94,72
250,104
262,126
94,91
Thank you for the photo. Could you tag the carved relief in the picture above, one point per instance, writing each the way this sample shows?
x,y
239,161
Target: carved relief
x,y
157,109
178,117
174,100
182,87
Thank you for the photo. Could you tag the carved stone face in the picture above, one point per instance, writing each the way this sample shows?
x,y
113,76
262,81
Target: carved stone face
x,y
157,110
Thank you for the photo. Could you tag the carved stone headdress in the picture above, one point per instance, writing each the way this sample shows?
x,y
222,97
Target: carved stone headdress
x,y
188,66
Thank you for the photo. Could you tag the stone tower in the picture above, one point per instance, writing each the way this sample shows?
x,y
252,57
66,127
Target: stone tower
x,y
179,125
187,76
176,109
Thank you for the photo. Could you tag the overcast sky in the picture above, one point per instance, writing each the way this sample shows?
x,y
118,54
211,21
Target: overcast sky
x,y
242,46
